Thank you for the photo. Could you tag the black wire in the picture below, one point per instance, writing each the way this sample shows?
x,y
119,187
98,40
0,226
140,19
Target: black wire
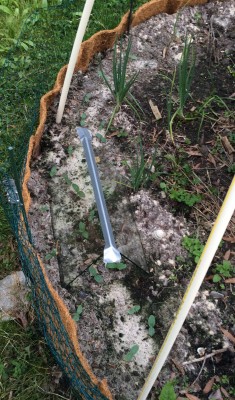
x,y
136,265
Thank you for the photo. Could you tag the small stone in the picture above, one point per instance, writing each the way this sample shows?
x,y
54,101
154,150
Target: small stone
x,y
201,351
171,262
216,295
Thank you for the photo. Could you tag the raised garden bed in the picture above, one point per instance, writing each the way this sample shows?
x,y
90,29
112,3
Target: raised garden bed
x,y
162,222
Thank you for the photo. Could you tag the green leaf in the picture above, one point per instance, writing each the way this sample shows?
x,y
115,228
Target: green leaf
x,y
151,331
216,278
101,138
53,171
134,310
118,266
98,278
168,392
6,10
70,150
131,353
76,188
151,321
162,185
79,192
93,271
67,180
82,226
50,255
78,313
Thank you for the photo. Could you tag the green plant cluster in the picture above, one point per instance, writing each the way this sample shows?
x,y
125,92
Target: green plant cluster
x,y
194,247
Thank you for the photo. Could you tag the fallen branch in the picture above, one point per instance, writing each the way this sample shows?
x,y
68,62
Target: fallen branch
x,y
206,356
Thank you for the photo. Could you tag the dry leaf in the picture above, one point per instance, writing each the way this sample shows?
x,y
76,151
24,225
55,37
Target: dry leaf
x,y
227,145
211,159
191,396
155,110
228,335
194,153
227,255
226,394
178,366
229,280
209,385
21,317
229,239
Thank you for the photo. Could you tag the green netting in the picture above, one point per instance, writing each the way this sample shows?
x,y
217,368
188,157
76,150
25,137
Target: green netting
x,y
28,72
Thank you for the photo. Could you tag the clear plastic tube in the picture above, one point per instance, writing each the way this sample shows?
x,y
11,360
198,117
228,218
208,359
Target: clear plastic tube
x,y
111,253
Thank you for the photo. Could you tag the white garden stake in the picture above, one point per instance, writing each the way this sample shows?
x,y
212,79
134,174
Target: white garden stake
x,y
111,253
216,235
73,58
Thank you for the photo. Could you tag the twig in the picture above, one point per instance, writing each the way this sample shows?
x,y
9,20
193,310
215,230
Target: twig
x,y
205,357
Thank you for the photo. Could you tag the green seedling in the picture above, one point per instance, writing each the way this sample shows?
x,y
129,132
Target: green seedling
x,y
131,353
93,272
83,119
67,180
224,270
86,98
44,208
78,191
194,247
168,392
134,310
101,138
118,266
91,215
120,89
50,255
53,171
78,313
82,230
70,150
151,324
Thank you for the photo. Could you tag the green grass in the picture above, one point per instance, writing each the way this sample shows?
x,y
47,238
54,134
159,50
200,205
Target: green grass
x,y
27,371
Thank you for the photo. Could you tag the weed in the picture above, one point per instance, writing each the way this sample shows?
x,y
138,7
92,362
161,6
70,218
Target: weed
x,y
93,272
151,325
121,86
131,353
194,247
140,170
168,392
78,313
182,196
134,310
224,270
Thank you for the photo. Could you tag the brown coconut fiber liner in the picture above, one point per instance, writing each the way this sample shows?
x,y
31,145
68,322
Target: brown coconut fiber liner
x,y
99,42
